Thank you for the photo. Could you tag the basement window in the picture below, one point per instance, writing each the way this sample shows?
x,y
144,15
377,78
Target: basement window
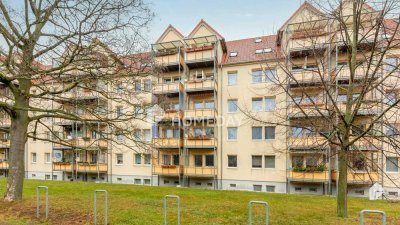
x,y
233,54
393,193
359,192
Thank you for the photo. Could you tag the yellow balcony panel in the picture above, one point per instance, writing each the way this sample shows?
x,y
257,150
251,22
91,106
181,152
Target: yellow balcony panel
x,y
87,143
199,114
62,166
307,78
173,115
200,57
200,142
3,165
92,167
167,88
354,177
167,170
308,110
170,62
367,144
167,142
320,176
361,72
367,108
317,142
200,85
308,42
202,171
81,95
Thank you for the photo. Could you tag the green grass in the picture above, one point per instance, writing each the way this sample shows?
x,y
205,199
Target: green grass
x,y
72,203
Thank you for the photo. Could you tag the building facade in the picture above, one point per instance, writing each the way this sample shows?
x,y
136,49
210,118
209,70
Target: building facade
x,y
209,129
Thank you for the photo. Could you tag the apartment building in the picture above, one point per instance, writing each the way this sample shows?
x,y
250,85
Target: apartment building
x,y
211,95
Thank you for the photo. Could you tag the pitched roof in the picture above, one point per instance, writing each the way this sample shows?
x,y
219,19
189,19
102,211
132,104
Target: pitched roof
x,y
166,31
246,50
304,5
202,21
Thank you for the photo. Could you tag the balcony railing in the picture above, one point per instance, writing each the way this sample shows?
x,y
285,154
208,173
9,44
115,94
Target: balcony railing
x,y
167,88
361,72
82,94
174,115
308,42
316,109
200,142
358,177
167,170
307,77
369,107
200,85
88,143
203,171
167,60
200,114
205,54
320,176
167,142
307,142
80,167
367,144
3,165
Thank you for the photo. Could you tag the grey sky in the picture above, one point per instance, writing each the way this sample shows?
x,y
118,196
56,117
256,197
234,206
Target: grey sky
x,y
234,19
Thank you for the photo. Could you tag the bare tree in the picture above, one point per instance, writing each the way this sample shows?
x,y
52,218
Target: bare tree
x,y
89,45
338,68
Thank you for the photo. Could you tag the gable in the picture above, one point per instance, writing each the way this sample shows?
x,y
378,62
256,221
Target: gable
x,y
170,34
347,8
203,29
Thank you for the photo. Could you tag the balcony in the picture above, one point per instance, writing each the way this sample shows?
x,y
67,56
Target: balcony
x,y
367,108
82,95
307,109
5,143
5,121
200,142
84,143
303,78
199,114
3,165
82,167
167,170
367,144
307,142
316,177
168,115
167,142
362,177
361,72
167,88
200,57
83,118
169,62
202,171
200,85
308,40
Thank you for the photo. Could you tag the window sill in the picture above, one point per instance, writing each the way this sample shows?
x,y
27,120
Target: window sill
x,y
231,167
119,164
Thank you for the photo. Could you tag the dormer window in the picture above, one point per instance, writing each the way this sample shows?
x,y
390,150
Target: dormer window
x,y
233,54
267,50
259,51
263,50
258,40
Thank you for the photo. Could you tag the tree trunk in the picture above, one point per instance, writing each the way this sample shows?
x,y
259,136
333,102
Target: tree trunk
x,y
342,184
18,137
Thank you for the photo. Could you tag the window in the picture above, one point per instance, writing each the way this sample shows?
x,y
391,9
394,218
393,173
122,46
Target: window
x,y
232,185
312,189
297,188
138,158
146,181
257,187
270,188
119,111
120,88
34,159
256,104
147,85
166,181
392,164
269,161
267,50
209,160
120,136
359,192
176,160
137,135
232,160
47,157
54,177
270,75
256,161
256,133
257,76
198,132
258,40
147,159
391,130
120,159
297,161
232,78
138,86
166,159
391,63
232,105
232,133
259,51
390,98
269,133
270,104
147,135
47,177
137,181
198,105
311,161
393,193
198,160
209,105
233,54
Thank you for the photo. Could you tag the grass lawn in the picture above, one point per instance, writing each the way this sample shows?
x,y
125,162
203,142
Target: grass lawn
x,y
72,203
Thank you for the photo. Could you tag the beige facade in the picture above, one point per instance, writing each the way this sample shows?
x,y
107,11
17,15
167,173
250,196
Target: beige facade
x,y
205,88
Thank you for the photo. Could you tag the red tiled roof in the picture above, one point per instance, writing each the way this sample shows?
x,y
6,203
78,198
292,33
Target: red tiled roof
x,y
246,50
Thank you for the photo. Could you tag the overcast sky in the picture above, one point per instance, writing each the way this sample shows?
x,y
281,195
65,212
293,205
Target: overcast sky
x,y
234,19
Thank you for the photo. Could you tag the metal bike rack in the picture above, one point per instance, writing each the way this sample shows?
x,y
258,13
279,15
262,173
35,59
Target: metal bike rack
x,y
250,211
362,213
38,201
105,206
178,201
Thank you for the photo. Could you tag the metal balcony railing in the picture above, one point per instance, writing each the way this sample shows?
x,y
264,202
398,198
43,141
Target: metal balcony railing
x,y
167,88
200,171
167,142
358,177
200,142
299,142
88,143
200,114
314,176
84,167
170,114
200,85
167,170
